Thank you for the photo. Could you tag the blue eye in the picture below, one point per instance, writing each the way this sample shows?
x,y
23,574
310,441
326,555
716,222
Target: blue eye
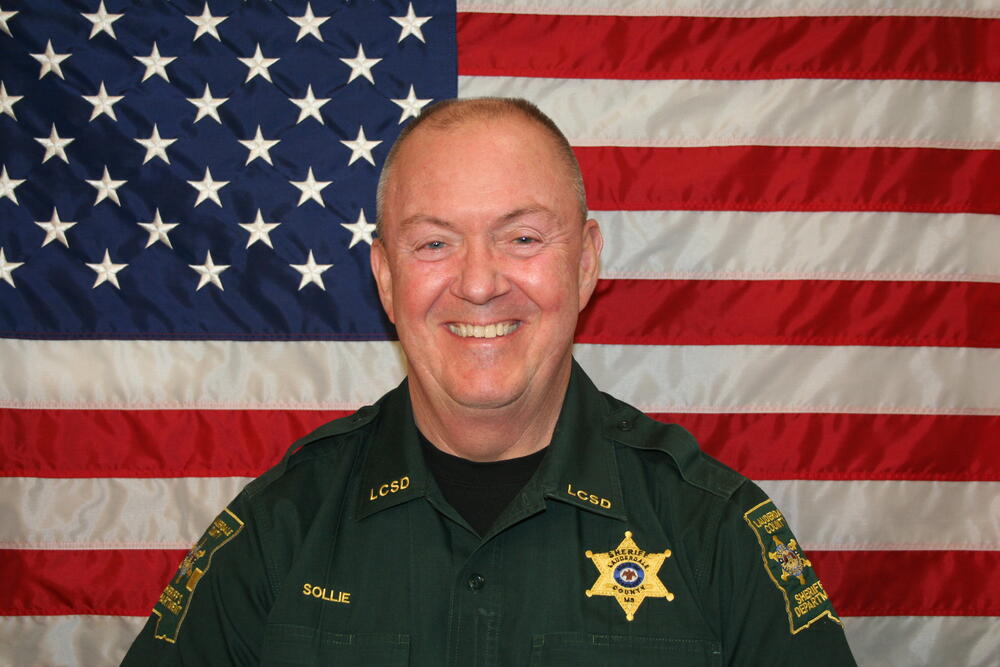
x,y
525,240
434,245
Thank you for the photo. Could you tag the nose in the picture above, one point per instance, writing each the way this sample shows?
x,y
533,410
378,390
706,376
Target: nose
x,y
480,273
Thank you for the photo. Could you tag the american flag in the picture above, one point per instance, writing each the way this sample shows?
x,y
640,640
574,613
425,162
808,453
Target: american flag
x,y
802,267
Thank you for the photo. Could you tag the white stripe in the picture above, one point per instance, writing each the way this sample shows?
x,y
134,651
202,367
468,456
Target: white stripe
x,y
738,245
740,8
173,513
102,374
890,515
88,641
110,513
924,641
773,112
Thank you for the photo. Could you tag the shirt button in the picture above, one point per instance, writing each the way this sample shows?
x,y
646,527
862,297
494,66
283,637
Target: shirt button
x,y
624,425
476,582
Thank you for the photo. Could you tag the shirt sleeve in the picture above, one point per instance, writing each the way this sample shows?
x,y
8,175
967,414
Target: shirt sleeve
x,y
774,608
213,609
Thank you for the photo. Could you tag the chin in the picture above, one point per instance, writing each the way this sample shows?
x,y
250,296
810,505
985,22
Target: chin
x,y
483,393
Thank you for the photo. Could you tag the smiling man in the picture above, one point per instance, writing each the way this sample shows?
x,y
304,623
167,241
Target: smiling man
x,y
495,508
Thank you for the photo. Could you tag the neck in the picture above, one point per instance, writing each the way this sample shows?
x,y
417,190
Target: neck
x,y
520,428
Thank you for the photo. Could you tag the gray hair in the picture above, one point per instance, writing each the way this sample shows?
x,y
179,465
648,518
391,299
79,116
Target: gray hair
x,y
451,113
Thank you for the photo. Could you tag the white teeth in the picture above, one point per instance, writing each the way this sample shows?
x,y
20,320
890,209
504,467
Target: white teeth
x,y
483,330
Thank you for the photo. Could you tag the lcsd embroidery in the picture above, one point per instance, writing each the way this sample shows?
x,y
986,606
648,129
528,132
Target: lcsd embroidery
x,y
806,601
173,604
629,574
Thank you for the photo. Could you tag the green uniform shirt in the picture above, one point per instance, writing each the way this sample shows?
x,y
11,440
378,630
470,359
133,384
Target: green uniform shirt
x,y
628,546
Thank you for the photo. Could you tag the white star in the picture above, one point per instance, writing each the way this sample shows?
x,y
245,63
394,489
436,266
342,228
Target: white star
x,y
259,147
6,268
209,272
309,24
361,65
7,102
207,24
311,272
155,63
7,185
360,230
207,188
50,61
55,229
259,230
207,105
309,105
107,271
54,145
4,17
106,188
156,146
361,147
310,189
102,21
411,24
158,230
258,65
411,105
103,103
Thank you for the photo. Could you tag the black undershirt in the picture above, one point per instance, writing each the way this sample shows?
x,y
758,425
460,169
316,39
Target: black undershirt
x,y
479,491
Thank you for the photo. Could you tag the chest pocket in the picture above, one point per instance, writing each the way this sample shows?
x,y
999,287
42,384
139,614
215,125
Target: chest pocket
x,y
288,645
578,648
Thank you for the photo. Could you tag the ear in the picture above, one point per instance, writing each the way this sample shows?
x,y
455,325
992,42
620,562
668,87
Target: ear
x,y
383,276
590,260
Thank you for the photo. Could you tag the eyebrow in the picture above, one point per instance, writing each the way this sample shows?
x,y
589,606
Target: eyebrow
x,y
506,218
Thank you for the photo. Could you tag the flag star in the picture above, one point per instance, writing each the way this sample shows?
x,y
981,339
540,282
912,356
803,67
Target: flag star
x,y
309,24
6,268
209,272
54,145
207,188
158,230
259,147
411,105
207,24
411,24
4,17
259,230
258,65
207,105
106,188
103,103
8,184
361,147
360,230
310,188
102,21
155,63
156,146
55,229
107,271
309,105
361,65
311,272
50,61
7,102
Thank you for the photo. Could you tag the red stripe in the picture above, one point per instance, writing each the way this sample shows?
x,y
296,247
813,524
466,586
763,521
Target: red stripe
x,y
792,312
646,47
860,583
149,443
849,446
218,443
791,178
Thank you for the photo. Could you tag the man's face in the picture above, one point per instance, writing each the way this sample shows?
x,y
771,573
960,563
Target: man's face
x,y
485,263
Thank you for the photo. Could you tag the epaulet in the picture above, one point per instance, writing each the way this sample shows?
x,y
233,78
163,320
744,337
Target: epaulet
x,y
334,428
631,427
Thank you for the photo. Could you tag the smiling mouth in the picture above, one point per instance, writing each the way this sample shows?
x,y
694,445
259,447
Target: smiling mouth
x,y
483,330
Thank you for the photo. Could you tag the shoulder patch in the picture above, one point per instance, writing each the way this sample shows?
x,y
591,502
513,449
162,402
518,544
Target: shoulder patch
x,y
805,598
172,607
